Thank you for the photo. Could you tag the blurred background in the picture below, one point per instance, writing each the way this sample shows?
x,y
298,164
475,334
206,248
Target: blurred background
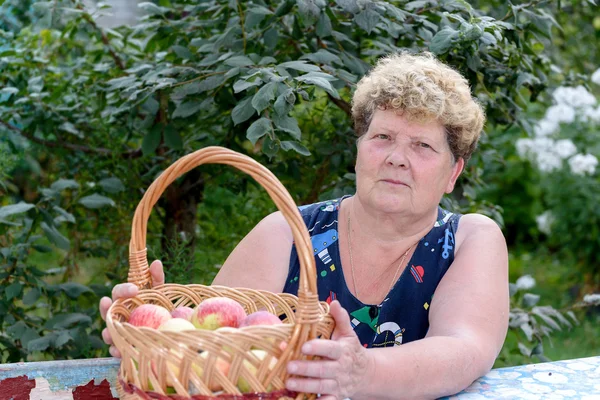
x,y
98,98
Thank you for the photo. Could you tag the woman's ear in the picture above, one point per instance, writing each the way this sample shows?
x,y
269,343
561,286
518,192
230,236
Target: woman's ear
x,y
457,169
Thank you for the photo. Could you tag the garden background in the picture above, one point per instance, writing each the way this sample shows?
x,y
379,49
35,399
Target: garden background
x,y
94,107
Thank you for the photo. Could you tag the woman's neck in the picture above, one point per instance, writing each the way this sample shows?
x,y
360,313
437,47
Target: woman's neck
x,y
386,229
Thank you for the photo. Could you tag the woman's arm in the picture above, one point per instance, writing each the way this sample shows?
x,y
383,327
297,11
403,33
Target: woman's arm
x,y
468,324
261,259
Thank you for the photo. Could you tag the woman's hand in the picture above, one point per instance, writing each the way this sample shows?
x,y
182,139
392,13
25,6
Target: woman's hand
x,y
123,290
340,373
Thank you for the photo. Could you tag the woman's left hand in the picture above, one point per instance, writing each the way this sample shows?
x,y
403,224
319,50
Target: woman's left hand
x,y
341,371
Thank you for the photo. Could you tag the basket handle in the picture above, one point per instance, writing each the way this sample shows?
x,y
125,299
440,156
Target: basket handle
x,y
139,271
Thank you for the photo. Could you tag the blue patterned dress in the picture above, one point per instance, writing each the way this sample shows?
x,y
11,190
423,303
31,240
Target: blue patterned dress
x,y
403,316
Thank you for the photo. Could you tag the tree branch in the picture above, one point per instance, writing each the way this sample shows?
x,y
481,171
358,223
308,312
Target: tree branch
x,y
105,40
75,147
344,106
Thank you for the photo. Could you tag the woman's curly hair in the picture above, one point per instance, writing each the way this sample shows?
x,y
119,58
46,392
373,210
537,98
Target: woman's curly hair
x,y
424,89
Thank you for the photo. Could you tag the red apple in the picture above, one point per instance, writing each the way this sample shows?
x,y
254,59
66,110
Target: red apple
x,y
260,318
149,315
176,325
218,312
182,312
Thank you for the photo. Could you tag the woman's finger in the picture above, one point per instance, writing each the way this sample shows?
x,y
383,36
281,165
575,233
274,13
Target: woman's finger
x,y
319,386
114,352
314,369
157,273
342,321
105,304
106,336
323,348
124,290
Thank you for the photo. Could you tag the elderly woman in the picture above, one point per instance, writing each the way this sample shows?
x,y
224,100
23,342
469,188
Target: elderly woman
x,y
399,271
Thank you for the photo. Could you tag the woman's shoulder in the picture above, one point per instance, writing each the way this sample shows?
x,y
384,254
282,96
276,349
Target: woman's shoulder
x,y
476,221
478,226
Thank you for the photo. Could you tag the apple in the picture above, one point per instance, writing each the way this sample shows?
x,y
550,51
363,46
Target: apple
x,y
176,325
260,318
182,312
242,383
149,315
218,312
220,364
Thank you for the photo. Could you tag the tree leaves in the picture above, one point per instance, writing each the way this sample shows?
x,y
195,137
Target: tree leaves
x,y
297,147
63,184
243,111
324,28
320,82
13,290
288,124
74,289
151,140
367,19
31,296
55,237
187,109
300,66
13,209
112,185
95,201
442,41
239,61
262,99
258,129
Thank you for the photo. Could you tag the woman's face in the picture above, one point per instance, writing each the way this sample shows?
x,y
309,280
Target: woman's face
x,y
404,166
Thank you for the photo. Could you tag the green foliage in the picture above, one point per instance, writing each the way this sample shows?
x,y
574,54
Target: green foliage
x,y
41,314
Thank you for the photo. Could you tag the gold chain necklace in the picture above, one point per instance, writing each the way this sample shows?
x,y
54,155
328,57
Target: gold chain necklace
x,y
352,263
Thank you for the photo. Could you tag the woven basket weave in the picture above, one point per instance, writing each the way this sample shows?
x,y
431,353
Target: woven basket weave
x,y
185,362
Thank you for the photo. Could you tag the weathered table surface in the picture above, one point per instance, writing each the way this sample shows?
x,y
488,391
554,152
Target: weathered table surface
x,y
95,379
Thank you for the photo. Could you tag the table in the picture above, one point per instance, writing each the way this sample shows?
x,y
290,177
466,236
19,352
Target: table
x,y
95,379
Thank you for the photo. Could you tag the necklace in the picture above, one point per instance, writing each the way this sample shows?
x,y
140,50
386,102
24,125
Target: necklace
x,y
352,262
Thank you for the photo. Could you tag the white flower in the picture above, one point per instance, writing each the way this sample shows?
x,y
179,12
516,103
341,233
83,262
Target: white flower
x,y
525,282
591,114
548,161
592,299
543,144
560,113
545,127
565,148
583,163
91,184
577,97
596,77
524,147
544,222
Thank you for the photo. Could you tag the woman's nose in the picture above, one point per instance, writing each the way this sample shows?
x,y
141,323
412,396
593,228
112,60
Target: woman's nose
x,y
398,156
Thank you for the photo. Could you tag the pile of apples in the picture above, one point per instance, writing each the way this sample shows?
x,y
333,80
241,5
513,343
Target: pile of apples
x,y
210,314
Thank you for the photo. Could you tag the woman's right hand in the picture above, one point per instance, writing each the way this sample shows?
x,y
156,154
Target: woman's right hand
x,y
124,290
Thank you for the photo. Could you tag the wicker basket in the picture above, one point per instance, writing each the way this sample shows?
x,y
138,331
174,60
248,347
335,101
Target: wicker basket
x,y
186,361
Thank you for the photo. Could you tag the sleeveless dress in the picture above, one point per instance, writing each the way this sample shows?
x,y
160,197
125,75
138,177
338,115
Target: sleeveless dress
x,y
403,316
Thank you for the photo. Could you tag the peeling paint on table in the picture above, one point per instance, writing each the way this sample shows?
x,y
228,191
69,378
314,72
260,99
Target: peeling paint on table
x,y
96,379
92,379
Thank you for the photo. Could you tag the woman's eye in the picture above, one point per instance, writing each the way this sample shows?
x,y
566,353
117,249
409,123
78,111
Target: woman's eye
x,y
382,136
424,145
